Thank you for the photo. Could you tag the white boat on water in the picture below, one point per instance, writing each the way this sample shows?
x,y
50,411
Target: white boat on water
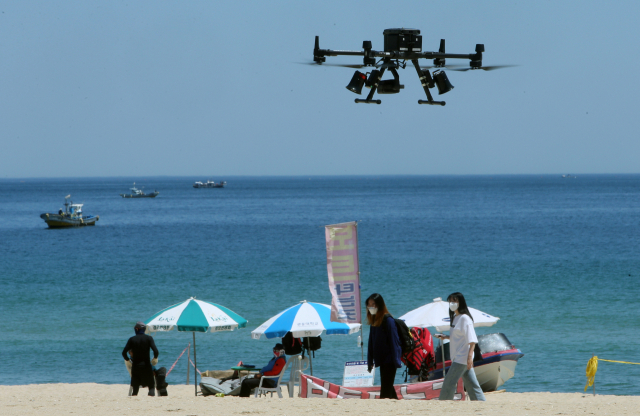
x,y
209,184
70,217
139,193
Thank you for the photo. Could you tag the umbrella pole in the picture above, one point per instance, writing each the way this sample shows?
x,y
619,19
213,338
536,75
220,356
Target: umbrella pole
x,y
442,349
188,362
305,344
195,365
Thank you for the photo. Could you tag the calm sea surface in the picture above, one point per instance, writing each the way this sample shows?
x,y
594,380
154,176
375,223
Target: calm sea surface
x,y
558,260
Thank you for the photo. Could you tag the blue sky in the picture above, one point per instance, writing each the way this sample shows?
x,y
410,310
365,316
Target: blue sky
x,y
215,88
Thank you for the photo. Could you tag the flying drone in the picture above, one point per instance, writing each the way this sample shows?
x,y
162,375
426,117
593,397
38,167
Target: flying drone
x,y
400,47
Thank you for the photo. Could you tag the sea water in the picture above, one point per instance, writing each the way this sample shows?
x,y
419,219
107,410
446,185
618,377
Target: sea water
x,y
557,259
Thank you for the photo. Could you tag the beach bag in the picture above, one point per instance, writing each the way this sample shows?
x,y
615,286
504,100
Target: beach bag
x,y
311,344
421,360
292,346
161,384
477,353
406,339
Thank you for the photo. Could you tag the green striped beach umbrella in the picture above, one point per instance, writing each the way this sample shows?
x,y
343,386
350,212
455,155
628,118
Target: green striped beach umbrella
x,y
194,316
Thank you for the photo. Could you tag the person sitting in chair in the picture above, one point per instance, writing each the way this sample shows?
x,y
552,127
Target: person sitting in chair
x,y
274,368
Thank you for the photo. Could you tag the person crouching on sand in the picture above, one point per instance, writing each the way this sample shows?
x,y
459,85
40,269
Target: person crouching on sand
x,y
384,349
274,368
463,341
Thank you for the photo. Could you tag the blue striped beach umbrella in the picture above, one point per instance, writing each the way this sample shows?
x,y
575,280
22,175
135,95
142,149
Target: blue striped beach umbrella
x,y
194,316
306,319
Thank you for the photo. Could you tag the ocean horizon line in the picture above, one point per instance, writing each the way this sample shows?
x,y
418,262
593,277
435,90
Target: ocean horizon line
x,y
301,176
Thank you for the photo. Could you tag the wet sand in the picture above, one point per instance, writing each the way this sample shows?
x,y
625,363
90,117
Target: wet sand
x,y
101,399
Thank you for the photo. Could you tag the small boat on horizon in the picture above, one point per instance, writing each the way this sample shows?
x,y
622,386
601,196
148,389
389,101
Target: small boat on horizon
x,y
139,193
209,184
70,217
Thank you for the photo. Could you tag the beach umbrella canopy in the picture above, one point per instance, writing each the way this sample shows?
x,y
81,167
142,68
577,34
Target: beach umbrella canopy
x,y
436,314
194,316
306,319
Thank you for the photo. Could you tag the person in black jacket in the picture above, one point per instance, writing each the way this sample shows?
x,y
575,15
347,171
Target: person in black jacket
x,y
384,349
140,365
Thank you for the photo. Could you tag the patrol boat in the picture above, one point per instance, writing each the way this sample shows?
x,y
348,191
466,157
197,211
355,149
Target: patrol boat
x,y
209,184
139,193
70,217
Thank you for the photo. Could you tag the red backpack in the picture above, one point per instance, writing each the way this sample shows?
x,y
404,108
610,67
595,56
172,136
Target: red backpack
x,y
421,360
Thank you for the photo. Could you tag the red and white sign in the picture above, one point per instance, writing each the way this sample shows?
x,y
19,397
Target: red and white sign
x,y
313,387
344,273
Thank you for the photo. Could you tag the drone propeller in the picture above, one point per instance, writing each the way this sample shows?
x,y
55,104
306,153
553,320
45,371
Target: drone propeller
x,y
486,68
463,68
356,66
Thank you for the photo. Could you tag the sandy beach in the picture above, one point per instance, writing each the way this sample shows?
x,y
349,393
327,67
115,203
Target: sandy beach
x,y
100,399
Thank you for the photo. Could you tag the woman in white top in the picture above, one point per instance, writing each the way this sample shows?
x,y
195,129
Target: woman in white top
x,y
462,343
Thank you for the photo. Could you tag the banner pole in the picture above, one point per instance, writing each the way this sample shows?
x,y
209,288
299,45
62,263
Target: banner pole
x,y
360,294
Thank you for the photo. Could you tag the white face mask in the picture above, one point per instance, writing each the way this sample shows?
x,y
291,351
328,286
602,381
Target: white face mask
x,y
453,306
373,311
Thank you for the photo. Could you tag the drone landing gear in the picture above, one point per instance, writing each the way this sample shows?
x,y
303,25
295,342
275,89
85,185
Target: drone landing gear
x,y
427,82
358,100
442,103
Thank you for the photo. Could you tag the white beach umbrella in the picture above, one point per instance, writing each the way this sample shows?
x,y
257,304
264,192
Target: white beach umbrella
x,y
436,314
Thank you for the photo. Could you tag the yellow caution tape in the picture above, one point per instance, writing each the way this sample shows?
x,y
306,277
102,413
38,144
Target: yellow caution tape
x,y
592,367
623,362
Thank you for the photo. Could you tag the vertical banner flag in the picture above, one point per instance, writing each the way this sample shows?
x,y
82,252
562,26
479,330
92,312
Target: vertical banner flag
x,y
344,273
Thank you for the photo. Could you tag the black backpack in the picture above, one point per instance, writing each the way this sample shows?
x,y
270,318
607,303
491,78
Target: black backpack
x,y
404,333
311,344
161,384
292,346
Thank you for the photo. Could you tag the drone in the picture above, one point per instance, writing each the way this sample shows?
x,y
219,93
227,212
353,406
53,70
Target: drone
x,y
400,47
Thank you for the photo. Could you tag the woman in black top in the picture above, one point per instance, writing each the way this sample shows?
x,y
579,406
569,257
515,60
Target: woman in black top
x,y
384,349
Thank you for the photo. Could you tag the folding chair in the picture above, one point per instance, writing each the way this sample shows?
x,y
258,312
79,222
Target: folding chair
x,y
297,367
260,390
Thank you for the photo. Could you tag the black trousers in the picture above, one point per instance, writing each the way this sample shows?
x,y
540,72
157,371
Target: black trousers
x,y
152,391
249,384
387,376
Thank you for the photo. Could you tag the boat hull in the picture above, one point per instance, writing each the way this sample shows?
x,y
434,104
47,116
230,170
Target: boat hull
x,y
207,186
492,371
59,221
151,195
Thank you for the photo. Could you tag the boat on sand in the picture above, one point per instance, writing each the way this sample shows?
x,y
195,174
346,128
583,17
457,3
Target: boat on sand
x,y
498,363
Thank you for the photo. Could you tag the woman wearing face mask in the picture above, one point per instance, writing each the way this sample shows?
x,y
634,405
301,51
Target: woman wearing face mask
x,y
463,341
384,349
